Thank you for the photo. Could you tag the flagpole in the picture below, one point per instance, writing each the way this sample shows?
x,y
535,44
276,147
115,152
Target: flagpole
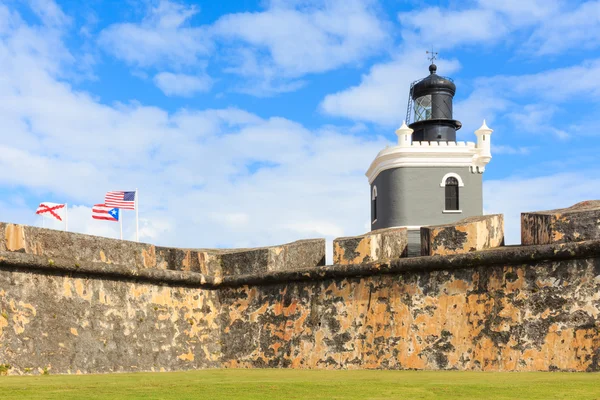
x,y
121,222
43,222
137,223
66,217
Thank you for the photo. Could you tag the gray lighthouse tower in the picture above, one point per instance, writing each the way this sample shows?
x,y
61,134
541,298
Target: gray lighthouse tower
x,y
428,178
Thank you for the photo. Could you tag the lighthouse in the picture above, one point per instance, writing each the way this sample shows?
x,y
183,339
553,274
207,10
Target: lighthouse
x,y
428,178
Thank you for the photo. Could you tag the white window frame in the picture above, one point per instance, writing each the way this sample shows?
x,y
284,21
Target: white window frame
x,y
460,184
452,175
373,197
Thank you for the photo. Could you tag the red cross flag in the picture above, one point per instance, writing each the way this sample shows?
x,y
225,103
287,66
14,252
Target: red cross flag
x,y
52,210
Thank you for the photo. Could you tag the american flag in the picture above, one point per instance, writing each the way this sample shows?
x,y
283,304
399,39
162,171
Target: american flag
x,y
120,199
102,211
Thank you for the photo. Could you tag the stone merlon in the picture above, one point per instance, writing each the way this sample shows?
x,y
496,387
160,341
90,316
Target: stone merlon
x,y
469,234
576,223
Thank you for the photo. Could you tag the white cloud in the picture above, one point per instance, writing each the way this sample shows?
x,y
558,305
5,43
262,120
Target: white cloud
x,y
382,94
541,27
161,39
454,27
558,84
256,46
49,12
514,195
535,118
182,84
531,102
521,12
483,103
571,27
511,150
325,35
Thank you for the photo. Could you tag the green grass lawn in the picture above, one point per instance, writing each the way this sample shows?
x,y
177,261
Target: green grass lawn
x,y
268,384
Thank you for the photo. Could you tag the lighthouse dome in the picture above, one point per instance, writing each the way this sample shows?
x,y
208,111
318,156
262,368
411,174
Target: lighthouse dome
x,y
434,83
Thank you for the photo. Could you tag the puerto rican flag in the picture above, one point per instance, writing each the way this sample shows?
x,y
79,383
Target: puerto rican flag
x,y
51,210
102,211
120,199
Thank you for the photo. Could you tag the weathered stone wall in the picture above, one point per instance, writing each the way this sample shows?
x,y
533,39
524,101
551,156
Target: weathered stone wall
x,y
216,262
64,323
469,234
376,245
68,310
573,224
538,317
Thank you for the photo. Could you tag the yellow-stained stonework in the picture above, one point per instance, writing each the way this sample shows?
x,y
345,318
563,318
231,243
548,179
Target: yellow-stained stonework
x,y
376,245
573,224
490,320
469,234
525,315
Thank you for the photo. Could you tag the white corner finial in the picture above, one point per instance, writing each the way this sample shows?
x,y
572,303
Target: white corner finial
x,y
404,135
404,129
484,129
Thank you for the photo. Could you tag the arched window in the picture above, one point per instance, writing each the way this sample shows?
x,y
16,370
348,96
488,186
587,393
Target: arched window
x,y
451,185
374,204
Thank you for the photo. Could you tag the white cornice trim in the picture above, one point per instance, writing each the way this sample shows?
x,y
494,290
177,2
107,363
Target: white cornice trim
x,y
425,154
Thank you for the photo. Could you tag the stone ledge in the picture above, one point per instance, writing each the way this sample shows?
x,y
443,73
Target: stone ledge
x,y
14,260
573,224
215,262
308,253
512,255
376,245
469,234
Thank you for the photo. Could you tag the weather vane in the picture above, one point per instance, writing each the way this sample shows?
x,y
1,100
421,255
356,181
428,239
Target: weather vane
x,y
433,55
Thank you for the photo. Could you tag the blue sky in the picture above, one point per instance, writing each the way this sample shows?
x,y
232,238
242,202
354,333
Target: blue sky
x,y
249,123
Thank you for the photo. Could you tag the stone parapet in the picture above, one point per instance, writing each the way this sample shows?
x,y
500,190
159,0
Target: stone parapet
x,y
573,224
309,253
215,262
469,234
512,255
59,244
376,245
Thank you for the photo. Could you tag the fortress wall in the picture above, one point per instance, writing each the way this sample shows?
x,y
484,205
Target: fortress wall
x,y
76,323
513,308
539,316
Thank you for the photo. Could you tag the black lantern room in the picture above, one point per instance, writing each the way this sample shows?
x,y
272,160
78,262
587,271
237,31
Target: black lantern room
x,y
430,108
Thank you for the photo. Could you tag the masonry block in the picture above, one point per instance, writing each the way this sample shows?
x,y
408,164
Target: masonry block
x,y
573,224
469,234
301,254
372,246
216,262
